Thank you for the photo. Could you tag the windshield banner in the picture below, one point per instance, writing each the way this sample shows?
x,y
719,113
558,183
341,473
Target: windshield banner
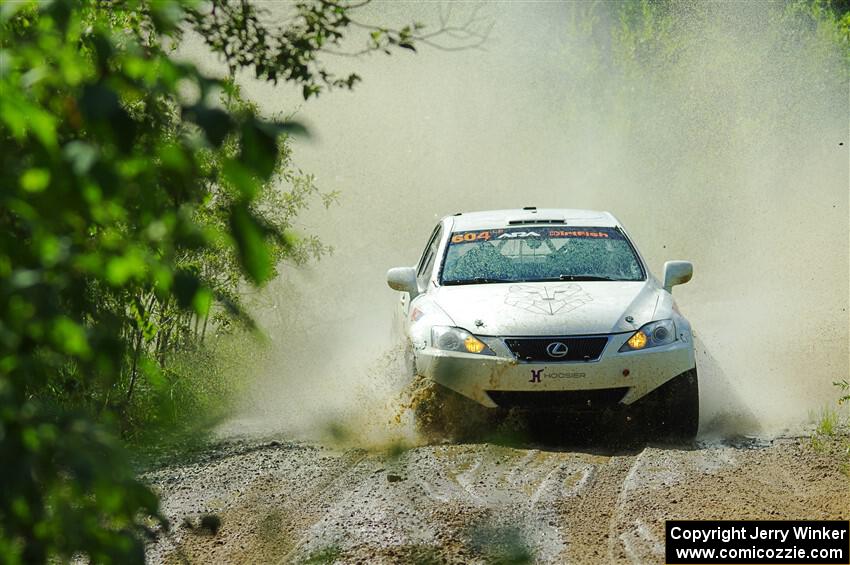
x,y
531,232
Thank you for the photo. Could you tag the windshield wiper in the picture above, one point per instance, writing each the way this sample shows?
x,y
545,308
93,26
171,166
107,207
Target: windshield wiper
x,y
486,280
478,280
585,278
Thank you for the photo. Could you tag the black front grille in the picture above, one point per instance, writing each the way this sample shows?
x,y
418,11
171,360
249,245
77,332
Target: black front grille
x,y
575,400
535,348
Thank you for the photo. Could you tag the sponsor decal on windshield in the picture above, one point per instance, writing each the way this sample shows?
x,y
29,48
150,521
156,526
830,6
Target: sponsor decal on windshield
x,y
577,233
525,233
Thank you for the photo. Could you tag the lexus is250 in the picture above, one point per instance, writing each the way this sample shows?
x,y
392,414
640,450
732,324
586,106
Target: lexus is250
x,y
542,309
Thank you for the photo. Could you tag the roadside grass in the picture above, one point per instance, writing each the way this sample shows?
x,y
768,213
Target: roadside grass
x,y
323,556
828,423
832,431
175,411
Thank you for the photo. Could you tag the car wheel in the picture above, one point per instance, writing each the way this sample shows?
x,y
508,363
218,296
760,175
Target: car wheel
x,y
677,415
442,415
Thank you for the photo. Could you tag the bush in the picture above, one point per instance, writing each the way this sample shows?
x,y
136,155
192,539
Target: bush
x,y
137,198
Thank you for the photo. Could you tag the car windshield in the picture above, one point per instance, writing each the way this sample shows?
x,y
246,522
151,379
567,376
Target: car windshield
x,y
534,253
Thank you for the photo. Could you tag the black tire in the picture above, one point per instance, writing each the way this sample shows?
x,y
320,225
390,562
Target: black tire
x,y
677,408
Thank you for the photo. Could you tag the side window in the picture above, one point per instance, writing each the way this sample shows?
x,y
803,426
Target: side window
x,y
429,256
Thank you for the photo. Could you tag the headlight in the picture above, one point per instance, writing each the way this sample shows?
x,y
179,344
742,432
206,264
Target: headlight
x,y
456,339
652,334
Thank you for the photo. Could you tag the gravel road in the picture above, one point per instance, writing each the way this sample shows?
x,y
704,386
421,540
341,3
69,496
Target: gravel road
x,y
275,501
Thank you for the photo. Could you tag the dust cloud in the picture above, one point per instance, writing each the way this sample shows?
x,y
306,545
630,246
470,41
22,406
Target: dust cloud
x,y
726,146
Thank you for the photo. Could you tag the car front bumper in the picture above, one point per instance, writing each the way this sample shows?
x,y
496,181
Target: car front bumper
x,y
634,373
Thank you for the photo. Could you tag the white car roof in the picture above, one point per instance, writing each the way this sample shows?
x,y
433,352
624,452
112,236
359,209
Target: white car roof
x,y
525,216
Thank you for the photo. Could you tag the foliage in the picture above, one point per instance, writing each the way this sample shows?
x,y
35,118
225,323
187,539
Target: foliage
x,y
138,198
829,423
246,37
844,391
103,173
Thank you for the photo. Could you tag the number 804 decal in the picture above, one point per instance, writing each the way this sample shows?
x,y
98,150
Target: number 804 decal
x,y
475,236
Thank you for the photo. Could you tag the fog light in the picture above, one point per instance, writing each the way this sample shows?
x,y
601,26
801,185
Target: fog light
x,y
637,341
473,345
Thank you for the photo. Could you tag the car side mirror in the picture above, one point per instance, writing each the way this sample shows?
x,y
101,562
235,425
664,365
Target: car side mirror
x,y
403,279
677,272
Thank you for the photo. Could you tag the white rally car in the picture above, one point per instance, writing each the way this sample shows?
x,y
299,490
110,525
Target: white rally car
x,y
549,309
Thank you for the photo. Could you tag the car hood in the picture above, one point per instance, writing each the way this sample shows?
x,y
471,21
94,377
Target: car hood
x,y
549,308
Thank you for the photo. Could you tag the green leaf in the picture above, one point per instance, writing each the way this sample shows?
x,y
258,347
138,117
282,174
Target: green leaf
x,y
259,148
44,126
202,301
35,180
30,438
215,122
167,14
99,102
21,117
51,250
153,373
286,127
186,285
174,157
234,173
251,246
20,507
163,280
122,268
70,337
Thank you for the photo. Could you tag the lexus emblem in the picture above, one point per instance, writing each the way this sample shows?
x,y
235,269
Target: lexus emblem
x,y
557,349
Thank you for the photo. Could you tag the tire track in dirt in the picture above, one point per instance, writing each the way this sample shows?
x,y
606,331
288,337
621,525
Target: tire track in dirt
x,y
282,522
589,519
637,543
459,503
781,479
261,499
480,503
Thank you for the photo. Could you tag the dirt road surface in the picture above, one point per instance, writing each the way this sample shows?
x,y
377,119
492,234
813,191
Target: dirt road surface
x,y
290,502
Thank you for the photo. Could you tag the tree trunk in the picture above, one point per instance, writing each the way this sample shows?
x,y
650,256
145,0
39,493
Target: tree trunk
x,y
134,370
